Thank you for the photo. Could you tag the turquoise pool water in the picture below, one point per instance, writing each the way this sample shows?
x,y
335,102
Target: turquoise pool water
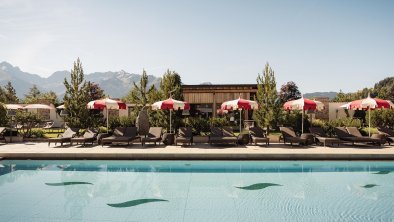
x,y
196,191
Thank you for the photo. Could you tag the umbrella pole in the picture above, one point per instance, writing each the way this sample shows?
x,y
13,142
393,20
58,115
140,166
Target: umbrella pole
x,y
107,120
302,122
369,121
170,119
240,121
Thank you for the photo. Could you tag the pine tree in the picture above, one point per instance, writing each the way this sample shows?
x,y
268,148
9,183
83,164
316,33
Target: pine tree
x,y
10,94
33,96
76,97
138,94
267,98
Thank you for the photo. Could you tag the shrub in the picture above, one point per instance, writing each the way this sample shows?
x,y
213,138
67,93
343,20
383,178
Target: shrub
x,y
329,126
37,133
382,118
27,120
122,121
200,125
219,121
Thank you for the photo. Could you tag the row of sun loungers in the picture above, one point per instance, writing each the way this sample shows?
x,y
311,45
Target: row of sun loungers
x,y
223,135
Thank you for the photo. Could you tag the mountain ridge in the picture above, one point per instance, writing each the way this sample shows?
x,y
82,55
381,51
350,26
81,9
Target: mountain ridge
x,y
116,84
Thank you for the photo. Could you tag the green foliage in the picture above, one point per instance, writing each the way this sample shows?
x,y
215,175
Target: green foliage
x,y
384,89
329,126
123,121
219,121
200,125
75,100
96,92
293,119
382,118
33,95
289,91
8,94
37,133
28,120
3,115
348,97
269,111
170,85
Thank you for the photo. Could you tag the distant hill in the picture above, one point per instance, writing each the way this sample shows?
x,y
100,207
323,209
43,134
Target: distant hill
x,y
115,84
330,95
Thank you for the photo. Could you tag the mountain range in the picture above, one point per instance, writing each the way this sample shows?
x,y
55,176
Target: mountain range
x,y
115,84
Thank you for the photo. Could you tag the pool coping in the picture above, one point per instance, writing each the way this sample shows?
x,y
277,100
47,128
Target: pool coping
x,y
195,152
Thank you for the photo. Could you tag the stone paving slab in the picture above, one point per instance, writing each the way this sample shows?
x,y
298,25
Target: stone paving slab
x,y
33,150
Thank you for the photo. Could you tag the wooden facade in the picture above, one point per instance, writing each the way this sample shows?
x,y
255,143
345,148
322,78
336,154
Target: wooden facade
x,y
210,97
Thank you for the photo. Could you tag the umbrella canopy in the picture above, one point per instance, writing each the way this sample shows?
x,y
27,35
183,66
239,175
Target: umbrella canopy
x,y
368,104
170,104
13,106
61,107
106,104
303,104
38,106
239,104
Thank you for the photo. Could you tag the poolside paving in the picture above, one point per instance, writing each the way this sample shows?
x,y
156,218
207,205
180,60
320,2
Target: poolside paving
x,y
40,150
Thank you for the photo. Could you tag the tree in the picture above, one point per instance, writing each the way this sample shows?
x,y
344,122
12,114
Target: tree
x,y
170,85
76,97
267,98
50,97
138,94
96,92
289,91
3,115
10,94
33,95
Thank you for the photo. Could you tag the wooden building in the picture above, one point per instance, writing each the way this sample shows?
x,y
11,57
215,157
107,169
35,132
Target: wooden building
x,y
206,99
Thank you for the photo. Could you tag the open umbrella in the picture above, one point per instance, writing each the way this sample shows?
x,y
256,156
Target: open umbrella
x,y
106,104
368,104
38,106
170,104
13,106
239,104
303,104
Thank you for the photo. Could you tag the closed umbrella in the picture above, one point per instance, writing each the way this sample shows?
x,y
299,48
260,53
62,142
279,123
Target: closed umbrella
x,y
368,104
303,104
239,104
13,106
171,104
38,106
106,104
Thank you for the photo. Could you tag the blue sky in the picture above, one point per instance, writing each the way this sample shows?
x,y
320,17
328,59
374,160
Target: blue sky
x,y
320,45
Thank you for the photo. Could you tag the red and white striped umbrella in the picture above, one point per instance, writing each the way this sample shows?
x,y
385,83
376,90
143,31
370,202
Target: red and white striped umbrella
x,y
106,104
38,106
239,104
171,104
303,104
368,104
13,106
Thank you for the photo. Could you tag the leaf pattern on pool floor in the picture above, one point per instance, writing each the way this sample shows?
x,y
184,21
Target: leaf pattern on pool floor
x,y
383,172
258,186
132,203
68,183
369,186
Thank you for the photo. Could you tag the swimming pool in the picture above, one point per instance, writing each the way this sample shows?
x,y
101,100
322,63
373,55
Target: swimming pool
x,y
196,191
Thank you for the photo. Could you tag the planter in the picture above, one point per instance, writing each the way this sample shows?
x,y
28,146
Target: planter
x,y
200,139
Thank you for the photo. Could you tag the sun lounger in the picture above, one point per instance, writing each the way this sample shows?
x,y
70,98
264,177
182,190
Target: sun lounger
x,y
51,125
121,135
353,136
257,135
322,137
88,137
290,136
154,136
185,135
389,133
2,131
222,136
65,137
